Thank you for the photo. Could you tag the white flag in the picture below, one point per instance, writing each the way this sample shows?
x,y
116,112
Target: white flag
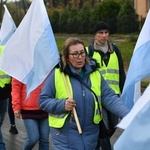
x,y
139,67
137,126
8,27
136,123
31,53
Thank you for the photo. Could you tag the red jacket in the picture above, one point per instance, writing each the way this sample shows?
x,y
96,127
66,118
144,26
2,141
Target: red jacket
x,y
19,101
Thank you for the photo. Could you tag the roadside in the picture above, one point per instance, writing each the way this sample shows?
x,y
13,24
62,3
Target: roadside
x,y
15,142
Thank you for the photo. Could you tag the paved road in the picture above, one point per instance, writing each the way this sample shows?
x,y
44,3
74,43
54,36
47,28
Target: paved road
x,y
15,142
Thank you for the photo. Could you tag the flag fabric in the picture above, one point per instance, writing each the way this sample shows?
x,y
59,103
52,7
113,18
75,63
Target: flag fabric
x,y
136,135
8,27
31,53
139,67
138,106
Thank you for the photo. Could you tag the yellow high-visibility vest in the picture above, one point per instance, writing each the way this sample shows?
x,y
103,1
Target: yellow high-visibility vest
x,y
4,78
58,121
111,71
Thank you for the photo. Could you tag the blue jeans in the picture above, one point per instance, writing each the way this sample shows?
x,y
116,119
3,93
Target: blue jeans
x,y
2,144
3,107
37,131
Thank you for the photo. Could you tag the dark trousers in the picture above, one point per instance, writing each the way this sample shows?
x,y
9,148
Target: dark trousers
x,y
11,113
104,143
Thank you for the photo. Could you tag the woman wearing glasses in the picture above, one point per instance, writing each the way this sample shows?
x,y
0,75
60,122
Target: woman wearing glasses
x,y
68,95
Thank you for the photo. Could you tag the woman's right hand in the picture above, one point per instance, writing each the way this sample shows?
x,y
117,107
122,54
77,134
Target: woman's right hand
x,y
69,104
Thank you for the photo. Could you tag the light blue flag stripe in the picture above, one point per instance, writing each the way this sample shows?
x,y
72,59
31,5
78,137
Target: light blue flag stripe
x,y
4,41
138,70
136,136
139,67
46,56
8,27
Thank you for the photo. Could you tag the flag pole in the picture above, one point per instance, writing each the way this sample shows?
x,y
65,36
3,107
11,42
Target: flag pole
x,y
74,110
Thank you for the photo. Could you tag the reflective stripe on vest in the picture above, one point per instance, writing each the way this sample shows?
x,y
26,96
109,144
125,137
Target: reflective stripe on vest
x,y
4,78
111,72
96,87
58,121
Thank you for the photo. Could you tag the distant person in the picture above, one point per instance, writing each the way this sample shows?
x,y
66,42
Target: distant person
x,y
13,129
79,76
5,91
35,120
110,60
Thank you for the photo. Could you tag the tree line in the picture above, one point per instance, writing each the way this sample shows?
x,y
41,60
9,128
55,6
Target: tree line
x,y
121,18
67,17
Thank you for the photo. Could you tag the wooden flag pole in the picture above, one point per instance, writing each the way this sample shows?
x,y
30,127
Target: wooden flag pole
x,y
74,110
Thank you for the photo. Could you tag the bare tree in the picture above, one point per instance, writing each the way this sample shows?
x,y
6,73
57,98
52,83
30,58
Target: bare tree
x,y
24,6
65,2
92,3
51,3
80,4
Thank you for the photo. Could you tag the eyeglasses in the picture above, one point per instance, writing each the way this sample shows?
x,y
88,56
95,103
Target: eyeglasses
x,y
76,55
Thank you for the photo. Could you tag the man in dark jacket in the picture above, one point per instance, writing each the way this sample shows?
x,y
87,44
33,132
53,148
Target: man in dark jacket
x,y
110,60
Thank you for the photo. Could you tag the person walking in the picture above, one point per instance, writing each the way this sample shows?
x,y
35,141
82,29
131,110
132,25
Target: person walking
x,y
75,89
5,91
110,60
13,129
35,120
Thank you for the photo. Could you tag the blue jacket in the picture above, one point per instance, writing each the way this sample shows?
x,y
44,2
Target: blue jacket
x,y
67,137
